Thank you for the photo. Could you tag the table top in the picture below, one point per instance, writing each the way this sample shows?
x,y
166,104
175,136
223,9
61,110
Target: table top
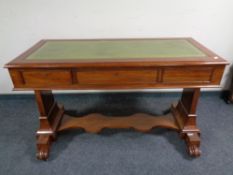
x,y
106,51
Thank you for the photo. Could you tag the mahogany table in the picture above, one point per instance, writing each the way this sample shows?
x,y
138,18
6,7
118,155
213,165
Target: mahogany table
x,y
116,64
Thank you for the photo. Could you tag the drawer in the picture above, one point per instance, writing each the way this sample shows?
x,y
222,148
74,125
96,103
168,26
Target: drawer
x,y
187,75
45,78
113,77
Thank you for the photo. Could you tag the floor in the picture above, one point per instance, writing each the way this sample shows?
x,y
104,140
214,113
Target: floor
x,y
116,152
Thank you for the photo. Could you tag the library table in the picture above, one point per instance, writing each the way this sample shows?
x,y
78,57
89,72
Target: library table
x,y
116,64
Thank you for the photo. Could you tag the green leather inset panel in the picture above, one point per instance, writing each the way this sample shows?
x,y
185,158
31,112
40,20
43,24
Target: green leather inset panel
x,y
115,49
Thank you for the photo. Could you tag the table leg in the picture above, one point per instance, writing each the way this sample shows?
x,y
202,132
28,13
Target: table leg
x,y
187,111
50,117
229,96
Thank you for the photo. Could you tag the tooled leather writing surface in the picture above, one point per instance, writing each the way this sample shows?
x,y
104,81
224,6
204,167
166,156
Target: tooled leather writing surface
x,y
116,49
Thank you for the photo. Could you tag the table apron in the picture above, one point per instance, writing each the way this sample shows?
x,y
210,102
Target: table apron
x,y
117,78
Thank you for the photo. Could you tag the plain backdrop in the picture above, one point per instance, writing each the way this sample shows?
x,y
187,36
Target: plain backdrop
x,y
25,22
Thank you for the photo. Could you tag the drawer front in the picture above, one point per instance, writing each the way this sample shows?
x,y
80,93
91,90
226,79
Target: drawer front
x,y
45,78
187,75
117,77
127,78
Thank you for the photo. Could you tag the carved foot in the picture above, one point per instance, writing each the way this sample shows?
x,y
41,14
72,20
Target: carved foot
x,y
193,143
43,145
42,154
194,150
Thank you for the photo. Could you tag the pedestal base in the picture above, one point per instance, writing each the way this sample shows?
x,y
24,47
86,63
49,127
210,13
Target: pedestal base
x,y
182,119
